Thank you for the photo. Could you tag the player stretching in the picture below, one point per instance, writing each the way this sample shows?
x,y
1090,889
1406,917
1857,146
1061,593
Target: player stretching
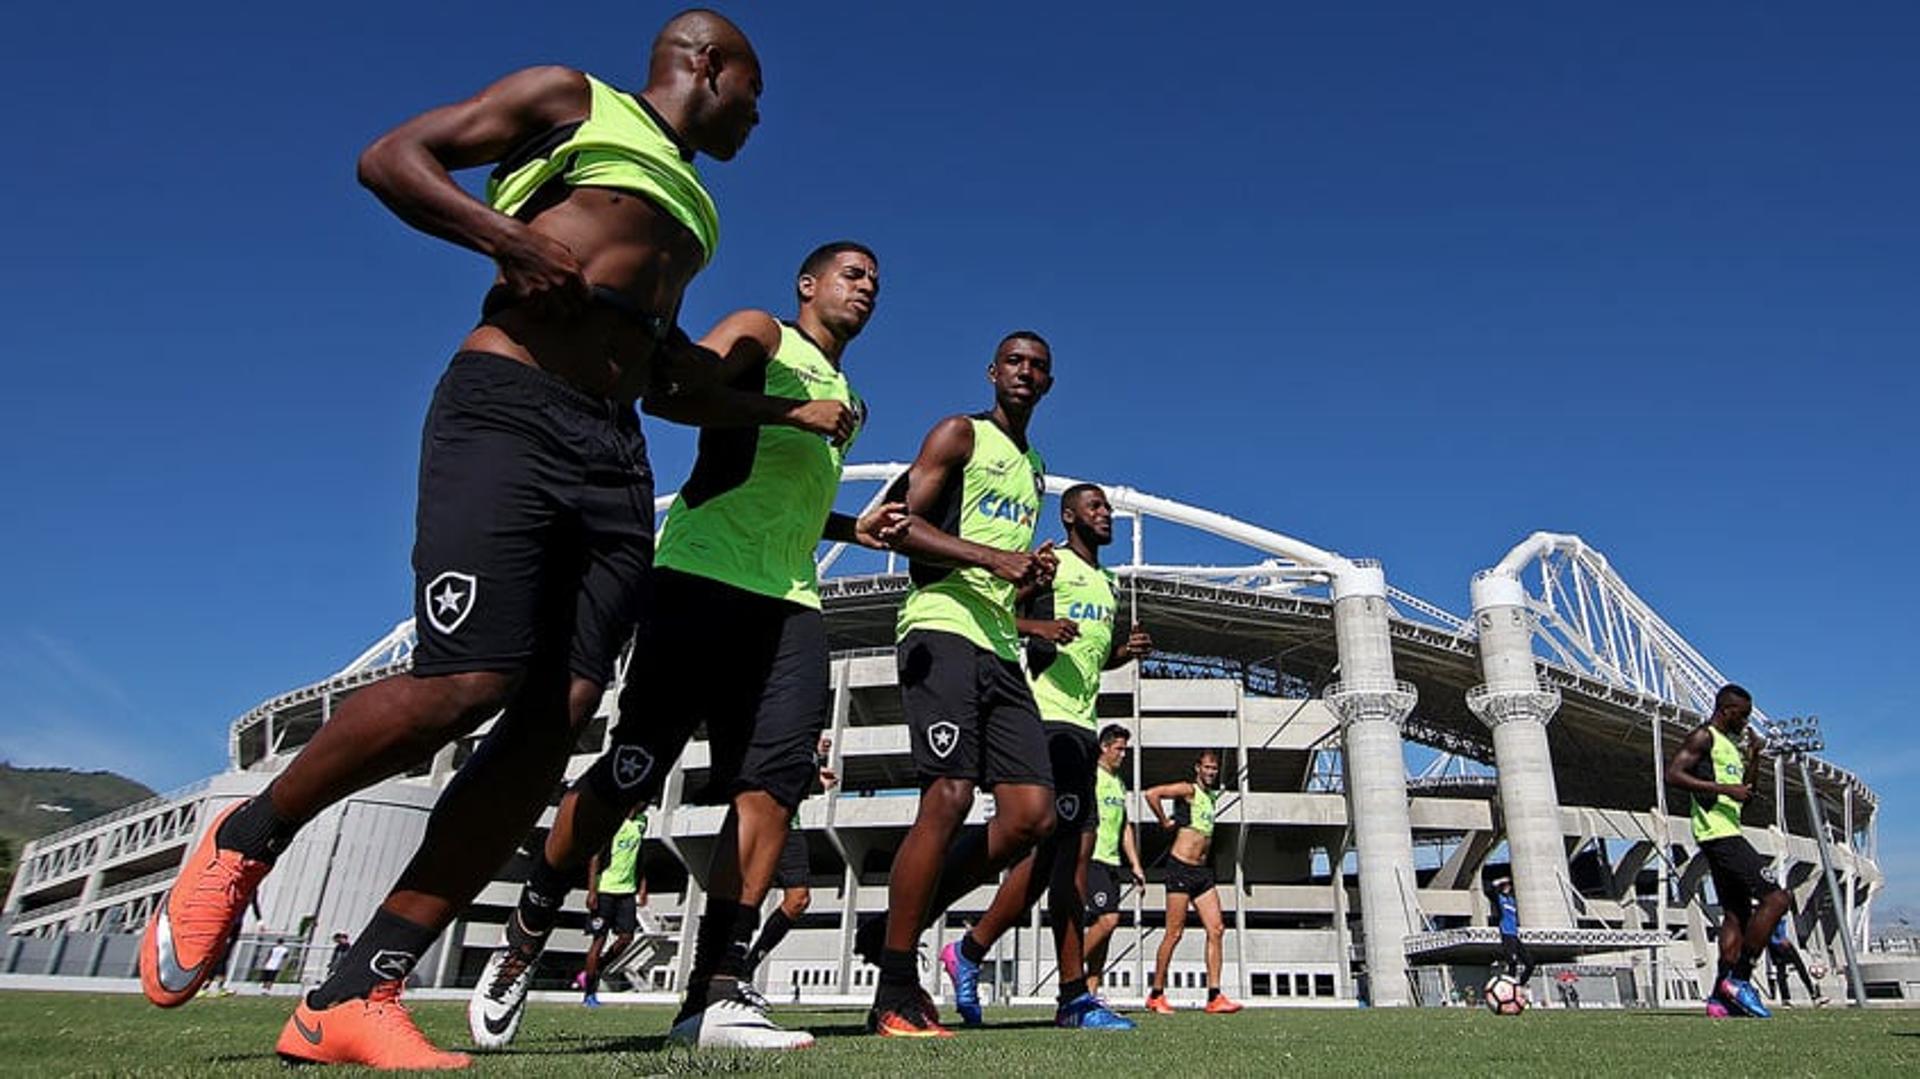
x,y
1513,952
1069,628
974,493
1709,766
736,640
1190,878
616,890
534,531
793,875
1112,837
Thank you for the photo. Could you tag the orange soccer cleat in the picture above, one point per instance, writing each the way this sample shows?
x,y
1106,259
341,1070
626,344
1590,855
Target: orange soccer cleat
x,y
917,1018
1158,1003
376,1032
1223,1005
186,940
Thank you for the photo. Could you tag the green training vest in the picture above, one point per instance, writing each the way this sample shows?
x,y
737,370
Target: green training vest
x,y
621,144
751,513
621,875
1066,678
1197,812
1719,816
996,505
1111,798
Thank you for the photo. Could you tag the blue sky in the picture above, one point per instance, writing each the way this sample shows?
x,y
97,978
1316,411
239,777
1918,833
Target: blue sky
x,y
1406,281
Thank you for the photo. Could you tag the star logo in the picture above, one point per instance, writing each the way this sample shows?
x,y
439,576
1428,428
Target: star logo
x,y
942,737
631,766
1099,899
1068,806
449,598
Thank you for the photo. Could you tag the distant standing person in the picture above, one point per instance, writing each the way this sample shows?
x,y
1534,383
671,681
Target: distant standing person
x,y
1113,836
270,970
1782,956
793,875
341,942
1190,879
616,890
1709,766
1513,952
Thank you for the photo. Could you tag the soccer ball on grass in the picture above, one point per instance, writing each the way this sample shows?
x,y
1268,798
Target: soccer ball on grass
x,y
1503,995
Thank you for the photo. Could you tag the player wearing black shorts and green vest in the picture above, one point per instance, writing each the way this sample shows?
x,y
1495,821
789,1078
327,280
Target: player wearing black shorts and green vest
x,y
1069,626
616,890
735,572
534,525
1718,778
974,495
1113,837
1190,878
793,874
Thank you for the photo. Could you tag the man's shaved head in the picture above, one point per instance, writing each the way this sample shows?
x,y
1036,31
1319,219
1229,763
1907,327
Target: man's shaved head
x,y
690,33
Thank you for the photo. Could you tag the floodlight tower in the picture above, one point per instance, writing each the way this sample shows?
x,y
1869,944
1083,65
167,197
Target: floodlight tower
x,y
1517,708
1793,741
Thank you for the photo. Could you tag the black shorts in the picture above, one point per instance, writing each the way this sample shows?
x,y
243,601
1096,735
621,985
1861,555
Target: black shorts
x,y
1194,880
795,869
1103,890
533,534
751,667
1074,752
1739,874
615,911
970,714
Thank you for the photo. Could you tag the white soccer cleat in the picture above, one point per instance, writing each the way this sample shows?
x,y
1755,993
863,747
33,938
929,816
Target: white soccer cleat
x,y
499,999
737,1021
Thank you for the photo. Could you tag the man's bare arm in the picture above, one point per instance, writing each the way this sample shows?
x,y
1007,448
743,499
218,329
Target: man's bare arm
x,y
410,168
941,457
703,394
1680,769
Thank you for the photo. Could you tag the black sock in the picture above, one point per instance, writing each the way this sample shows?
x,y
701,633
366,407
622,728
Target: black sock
x,y
540,900
971,948
255,830
771,935
385,951
1071,991
898,970
720,949
1743,970
1156,991
591,982
1720,973
1212,991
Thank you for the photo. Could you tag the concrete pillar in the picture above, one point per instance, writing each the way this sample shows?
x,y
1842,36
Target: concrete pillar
x,y
1517,709
1372,706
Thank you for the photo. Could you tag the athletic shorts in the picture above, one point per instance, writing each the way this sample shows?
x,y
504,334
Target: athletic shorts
x,y
970,713
533,534
1103,890
1738,874
751,667
1074,752
1194,880
615,911
795,869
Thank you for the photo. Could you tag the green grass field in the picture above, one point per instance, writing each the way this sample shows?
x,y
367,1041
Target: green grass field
x,y
61,1034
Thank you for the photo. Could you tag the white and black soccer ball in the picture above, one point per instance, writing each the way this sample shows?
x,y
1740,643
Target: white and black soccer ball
x,y
1818,970
1503,995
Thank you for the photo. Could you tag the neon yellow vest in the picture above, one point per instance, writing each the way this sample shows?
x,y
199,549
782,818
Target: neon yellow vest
x,y
996,505
1197,812
1066,677
1110,797
620,144
1719,816
751,513
622,873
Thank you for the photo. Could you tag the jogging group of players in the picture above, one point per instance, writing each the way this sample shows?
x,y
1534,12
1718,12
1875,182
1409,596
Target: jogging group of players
x,y
536,563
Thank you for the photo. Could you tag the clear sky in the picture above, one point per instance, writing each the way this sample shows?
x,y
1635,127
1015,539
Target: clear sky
x,y
1406,281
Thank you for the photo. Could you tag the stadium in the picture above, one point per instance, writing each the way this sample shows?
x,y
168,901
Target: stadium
x,y
1383,758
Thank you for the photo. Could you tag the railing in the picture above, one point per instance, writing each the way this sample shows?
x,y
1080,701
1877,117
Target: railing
x,y
164,876
157,801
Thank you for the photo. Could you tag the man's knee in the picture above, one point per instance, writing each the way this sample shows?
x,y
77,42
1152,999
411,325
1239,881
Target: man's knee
x,y
457,703
583,701
796,901
947,800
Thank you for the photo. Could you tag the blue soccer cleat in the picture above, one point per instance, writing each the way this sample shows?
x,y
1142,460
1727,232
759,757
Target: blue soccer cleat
x,y
1743,997
965,975
591,1000
1088,1012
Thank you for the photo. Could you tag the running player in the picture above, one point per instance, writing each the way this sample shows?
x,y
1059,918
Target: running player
x,y
1069,628
535,519
974,492
1783,957
736,640
1710,768
1190,878
793,875
1513,951
616,890
1112,837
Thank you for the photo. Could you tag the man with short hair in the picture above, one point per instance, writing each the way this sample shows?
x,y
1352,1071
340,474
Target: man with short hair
x,y
736,640
535,525
1113,835
1190,879
1513,952
974,493
616,890
1069,626
1710,768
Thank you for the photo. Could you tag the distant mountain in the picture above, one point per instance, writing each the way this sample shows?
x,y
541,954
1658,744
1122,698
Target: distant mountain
x,y
37,801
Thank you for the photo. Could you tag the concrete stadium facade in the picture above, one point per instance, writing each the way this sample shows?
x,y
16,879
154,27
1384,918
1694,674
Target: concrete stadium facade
x,y
1383,758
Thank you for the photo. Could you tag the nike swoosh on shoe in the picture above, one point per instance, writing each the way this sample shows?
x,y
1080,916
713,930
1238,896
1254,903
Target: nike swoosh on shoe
x,y
172,977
